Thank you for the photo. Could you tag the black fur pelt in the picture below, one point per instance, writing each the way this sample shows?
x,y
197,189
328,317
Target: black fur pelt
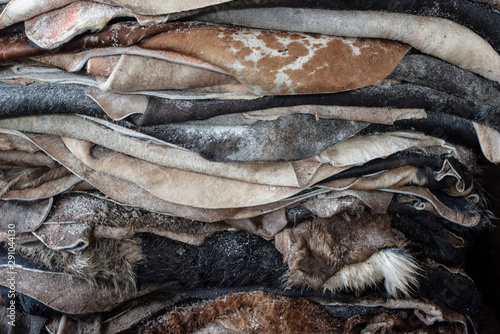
x,y
223,260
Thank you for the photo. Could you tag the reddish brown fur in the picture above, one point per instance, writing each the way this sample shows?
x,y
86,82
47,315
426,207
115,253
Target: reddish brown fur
x,y
320,247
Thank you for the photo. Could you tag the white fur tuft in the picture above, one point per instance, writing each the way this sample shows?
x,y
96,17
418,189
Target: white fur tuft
x,y
396,268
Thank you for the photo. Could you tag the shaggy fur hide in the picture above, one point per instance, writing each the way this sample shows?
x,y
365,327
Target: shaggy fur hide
x,y
106,262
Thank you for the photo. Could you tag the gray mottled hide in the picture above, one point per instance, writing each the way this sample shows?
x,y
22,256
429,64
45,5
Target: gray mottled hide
x,y
287,138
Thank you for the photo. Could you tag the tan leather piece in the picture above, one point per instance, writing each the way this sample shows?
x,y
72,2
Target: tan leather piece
x,y
68,236
118,106
48,185
320,247
365,148
267,226
277,173
21,10
438,37
25,159
329,204
278,62
25,216
393,178
489,140
114,221
136,73
130,194
466,219
361,114
10,142
102,65
175,185
73,62
72,294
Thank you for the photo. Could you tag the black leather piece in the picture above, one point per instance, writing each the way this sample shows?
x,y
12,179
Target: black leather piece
x,y
162,111
440,75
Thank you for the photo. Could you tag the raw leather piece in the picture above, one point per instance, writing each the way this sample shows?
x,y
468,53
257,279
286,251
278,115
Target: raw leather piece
x,y
321,247
333,206
37,99
279,62
462,218
489,139
292,137
405,176
117,35
362,149
26,216
102,65
72,295
25,159
161,111
437,74
130,194
73,62
152,7
69,236
393,178
453,129
51,29
49,184
12,143
118,106
266,226
438,37
480,19
123,82
275,173
21,10
329,204
28,74
115,221
136,73
177,186
359,114
432,161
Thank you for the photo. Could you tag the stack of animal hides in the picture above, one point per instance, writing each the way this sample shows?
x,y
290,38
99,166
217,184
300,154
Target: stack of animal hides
x,y
246,166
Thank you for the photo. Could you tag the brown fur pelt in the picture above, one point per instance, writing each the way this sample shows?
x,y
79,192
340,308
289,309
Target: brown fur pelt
x,y
245,313
261,312
347,252
106,262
